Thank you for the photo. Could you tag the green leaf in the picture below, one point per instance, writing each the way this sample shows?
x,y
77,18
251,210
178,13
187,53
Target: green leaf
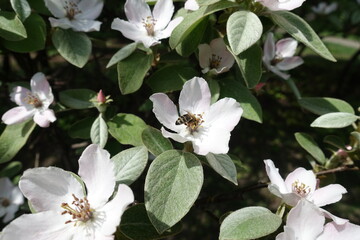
x,y
249,103
36,29
323,105
122,54
161,82
127,128
14,138
11,28
244,29
309,144
302,32
334,120
77,98
81,129
11,169
155,142
192,19
22,8
99,132
335,141
75,47
223,165
129,164
250,64
135,224
132,70
249,223
172,185
214,90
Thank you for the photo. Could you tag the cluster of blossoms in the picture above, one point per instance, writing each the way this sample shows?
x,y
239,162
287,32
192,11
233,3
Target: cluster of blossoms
x,y
306,219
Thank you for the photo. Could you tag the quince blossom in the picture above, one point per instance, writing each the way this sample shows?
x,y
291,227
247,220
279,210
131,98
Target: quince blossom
x,y
279,5
10,199
191,5
215,57
146,26
34,103
280,56
78,15
306,222
207,127
63,209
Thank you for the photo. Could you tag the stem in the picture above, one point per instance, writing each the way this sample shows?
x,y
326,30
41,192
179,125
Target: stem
x,y
338,169
294,88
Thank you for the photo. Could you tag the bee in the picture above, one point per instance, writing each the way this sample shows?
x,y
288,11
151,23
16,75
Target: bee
x,y
192,121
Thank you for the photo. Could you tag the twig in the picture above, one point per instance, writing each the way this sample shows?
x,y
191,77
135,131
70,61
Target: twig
x,y
338,169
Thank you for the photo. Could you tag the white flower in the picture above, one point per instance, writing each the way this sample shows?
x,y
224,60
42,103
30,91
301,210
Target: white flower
x,y
191,5
10,199
63,210
324,8
306,222
78,15
207,127
146,26
34,103
215,57
279,5
280,57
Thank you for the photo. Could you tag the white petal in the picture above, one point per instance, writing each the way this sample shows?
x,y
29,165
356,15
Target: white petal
x,y
274,176
279,73
17,197
19,94
301,175
191,5
17,115
115,208
204,55
63,23
348,231
215,141
195,97
168,30
329,194
48,188
290,199
337,220
129,30
218,46
85,25
165,111
10,213
276,5
136,11
6,187
56,7
286,47
288,234
43,118
174,136
224,114
269,47
227,62
162,13
289,63
97,171
90,9
40,86
40,226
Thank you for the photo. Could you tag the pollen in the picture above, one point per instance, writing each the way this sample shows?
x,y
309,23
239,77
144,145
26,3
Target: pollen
x,y
300,188
215,61
149,24
71,9
79,210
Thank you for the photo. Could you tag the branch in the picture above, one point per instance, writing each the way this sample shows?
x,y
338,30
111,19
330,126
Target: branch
x,y
338,169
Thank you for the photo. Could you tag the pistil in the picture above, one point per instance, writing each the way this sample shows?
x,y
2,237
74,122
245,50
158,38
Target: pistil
x,y
149,24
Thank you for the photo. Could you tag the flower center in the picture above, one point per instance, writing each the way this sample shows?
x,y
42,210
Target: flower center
x,y
4,202
215,61
192,121
276,60
71,9
80,210
300,188
34,100
149,24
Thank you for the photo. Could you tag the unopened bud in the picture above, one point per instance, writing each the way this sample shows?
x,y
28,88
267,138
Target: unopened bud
x,y
259,86
101,97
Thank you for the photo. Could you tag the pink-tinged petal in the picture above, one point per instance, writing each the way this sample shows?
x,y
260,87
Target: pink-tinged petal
x,y
40,226
115,208
168,30
215,141
48,188
40,86
224,115
19,94
278,72
97,171
162,13
10,213
90,9
16,196
274,176
136,11
85,25
63,23
337,220
289,63
347,231
174,136
129,30
6,187
227,62
44,118
301,176
276,5
218,46
288,234
195,97
191,5
17,115
165,111
204,55
286,47
56,7
329,194
290,199
269,48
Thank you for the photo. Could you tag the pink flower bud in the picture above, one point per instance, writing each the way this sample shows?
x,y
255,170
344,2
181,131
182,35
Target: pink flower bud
x,y
101,97
259,86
